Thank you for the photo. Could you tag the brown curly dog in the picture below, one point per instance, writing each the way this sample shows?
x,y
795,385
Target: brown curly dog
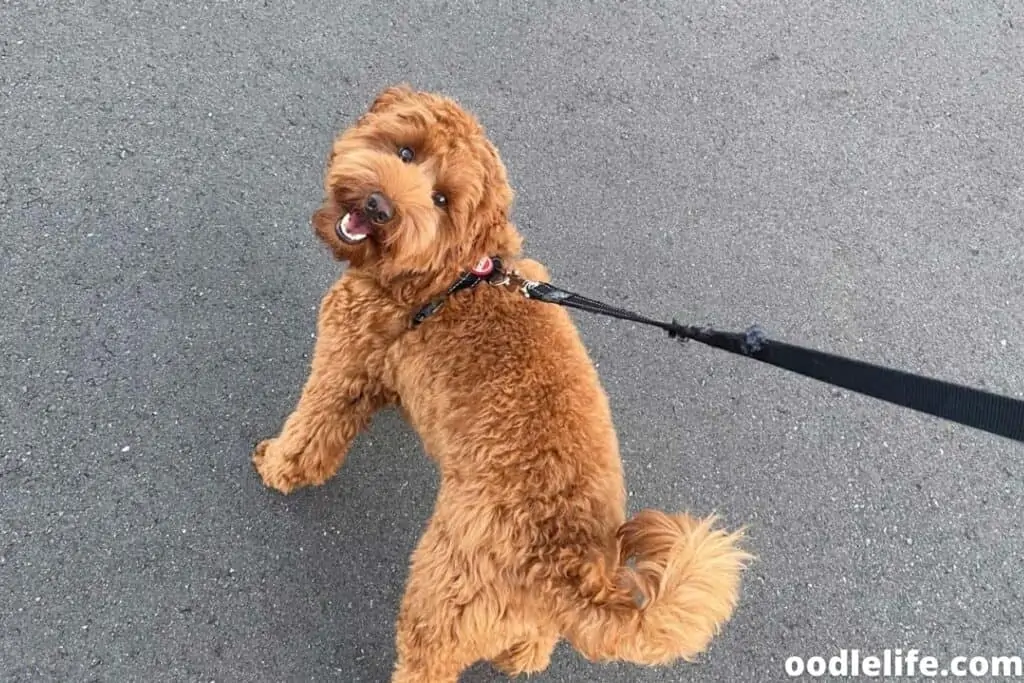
x,y
528,542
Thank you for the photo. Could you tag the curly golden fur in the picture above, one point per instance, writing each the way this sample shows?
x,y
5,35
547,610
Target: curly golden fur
x,y
528,542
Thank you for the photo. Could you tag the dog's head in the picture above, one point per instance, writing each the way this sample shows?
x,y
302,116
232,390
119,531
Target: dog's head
x,y
415,187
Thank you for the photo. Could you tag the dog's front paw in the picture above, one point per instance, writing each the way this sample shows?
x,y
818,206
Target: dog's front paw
x,y
277,470
286,467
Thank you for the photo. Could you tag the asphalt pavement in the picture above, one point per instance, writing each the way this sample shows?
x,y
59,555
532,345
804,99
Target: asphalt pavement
x,y
849,176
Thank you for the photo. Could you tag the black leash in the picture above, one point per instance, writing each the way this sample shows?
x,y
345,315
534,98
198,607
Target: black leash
x,y
983,410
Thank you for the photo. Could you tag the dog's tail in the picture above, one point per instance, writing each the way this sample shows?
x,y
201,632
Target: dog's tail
x,y
670,604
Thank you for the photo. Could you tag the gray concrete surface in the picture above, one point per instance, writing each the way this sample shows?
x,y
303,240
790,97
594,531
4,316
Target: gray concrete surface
x,y
849,176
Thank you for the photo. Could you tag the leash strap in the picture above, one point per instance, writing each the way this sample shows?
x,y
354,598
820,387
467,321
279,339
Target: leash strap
x,y
994,413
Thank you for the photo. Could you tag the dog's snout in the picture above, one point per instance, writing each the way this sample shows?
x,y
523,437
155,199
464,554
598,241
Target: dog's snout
x,y
378,208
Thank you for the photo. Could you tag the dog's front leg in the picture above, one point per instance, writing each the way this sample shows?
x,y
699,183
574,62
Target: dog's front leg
x,y
337,402
316,436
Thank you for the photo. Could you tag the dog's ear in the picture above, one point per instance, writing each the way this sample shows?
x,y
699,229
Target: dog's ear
x,y
390,96
491,230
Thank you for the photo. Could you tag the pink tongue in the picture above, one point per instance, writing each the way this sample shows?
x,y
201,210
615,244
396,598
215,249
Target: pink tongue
x,y
358,225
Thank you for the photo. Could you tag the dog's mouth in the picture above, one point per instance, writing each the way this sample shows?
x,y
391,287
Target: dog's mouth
x,y
353,228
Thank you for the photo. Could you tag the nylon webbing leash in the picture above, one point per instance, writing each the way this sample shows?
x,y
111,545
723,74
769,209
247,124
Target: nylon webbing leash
x,y
994,413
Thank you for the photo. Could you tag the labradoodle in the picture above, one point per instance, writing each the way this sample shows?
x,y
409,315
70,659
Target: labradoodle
x,y
528,542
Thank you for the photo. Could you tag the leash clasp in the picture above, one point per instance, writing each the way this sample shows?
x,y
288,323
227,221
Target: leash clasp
x,y
499,278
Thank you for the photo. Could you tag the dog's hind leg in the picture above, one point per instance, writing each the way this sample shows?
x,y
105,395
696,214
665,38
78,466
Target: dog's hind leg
x,y
527,656
430,645
452,612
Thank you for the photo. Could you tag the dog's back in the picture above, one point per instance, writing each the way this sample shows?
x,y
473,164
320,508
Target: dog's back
x,y
506,400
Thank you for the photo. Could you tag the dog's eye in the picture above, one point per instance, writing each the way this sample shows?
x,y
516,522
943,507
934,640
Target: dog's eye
x,y
406,154
440,201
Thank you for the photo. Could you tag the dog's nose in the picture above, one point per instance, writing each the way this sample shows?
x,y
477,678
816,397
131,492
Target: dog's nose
x,y
378,208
